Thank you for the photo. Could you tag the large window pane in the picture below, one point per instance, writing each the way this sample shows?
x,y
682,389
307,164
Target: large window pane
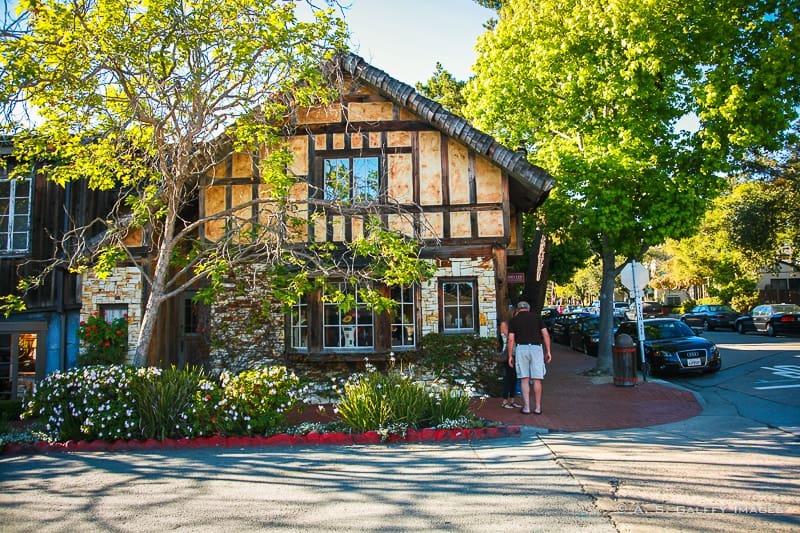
x,y
298,324
365,178
337,179
348,329
404,331
15,205
458,306
351,179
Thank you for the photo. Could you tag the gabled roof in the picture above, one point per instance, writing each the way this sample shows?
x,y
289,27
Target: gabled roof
x,y
529,186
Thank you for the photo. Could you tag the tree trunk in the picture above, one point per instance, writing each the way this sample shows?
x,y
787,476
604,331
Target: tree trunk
x,y
605,364
538,272
157,289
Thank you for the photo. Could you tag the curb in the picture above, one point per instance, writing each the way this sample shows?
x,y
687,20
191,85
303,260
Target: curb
x,y
310,439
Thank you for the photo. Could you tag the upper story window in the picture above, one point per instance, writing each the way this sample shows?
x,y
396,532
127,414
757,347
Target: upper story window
x,y
458,300
351,179
15,214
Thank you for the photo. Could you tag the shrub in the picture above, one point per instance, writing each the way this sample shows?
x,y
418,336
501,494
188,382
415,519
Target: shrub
x,y
391,402
165,401
10,409
375,400
104,343
445,403
86,403
256,401
462,359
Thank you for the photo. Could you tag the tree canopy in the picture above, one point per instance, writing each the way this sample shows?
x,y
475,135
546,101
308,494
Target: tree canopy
x,y
146,97
597,93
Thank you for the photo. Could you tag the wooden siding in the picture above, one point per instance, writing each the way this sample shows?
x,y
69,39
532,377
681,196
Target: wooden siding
x,y
53,208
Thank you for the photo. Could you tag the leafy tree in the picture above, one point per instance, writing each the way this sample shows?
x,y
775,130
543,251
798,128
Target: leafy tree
x,y
763,211
597,92
445,89
144,98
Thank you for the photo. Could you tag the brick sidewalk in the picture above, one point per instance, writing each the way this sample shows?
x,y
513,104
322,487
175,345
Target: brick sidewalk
x,y
573,401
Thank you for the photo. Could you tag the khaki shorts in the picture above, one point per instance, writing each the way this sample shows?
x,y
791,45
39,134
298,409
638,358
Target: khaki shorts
x,y
529,359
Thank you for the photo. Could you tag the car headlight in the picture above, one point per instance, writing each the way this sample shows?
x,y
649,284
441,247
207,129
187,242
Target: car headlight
x,y
667,356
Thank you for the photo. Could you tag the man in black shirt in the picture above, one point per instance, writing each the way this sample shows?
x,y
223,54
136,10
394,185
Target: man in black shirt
x,y
527,332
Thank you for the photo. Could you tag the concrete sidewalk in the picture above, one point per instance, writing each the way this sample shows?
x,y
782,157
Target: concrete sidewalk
x,y
573,401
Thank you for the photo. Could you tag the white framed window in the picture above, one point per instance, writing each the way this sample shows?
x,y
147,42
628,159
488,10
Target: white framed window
x,y
112,312
298,324
348,329
458,303
351,179
15,214
404,330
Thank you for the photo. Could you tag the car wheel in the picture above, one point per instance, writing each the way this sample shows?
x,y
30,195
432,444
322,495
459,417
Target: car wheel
x,y
707,326
740,328
585,348
770,330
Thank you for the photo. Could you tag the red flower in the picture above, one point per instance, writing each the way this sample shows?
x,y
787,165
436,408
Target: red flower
x,y
107,344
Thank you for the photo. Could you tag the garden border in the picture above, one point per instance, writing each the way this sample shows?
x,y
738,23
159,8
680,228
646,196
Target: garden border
x,y
312,438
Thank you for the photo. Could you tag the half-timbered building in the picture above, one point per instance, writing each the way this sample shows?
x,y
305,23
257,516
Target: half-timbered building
x,y
461,190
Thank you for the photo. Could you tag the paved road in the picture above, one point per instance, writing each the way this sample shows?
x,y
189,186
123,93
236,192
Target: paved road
x,y
760,376
724,470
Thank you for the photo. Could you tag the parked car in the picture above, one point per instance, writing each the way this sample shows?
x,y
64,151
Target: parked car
x,y
621,308
649,310
672,346
771,319
712,316
549,315
559,332
584,334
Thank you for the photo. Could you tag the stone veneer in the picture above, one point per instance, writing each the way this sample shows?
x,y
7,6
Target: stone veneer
x,y
123,287
483,270
247,331
246,328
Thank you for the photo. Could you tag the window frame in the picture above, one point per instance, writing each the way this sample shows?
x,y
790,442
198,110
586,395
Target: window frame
x,y
361,320
299,324
7,248
460,304
406,298
356,184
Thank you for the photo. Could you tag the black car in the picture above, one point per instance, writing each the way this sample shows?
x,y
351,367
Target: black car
x,y
584,334
771,319
559,332
672,346
710,317
549,315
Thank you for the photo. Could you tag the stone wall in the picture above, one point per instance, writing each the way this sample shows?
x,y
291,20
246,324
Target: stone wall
x,y
483,270
123,287
246,329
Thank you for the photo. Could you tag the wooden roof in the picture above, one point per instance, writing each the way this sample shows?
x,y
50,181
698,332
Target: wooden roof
x,y
530,185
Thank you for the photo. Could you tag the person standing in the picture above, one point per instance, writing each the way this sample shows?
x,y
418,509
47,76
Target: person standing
x,y
509,372
528,334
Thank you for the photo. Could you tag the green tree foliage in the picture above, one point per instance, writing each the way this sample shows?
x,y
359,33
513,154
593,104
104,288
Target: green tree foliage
x,y
445,89
763,212
597,91
144,98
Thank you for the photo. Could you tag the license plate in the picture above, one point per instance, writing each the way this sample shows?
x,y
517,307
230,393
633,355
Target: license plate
x,y
695,361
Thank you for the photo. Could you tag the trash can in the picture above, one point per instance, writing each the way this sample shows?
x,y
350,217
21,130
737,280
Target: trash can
x,y
624,354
